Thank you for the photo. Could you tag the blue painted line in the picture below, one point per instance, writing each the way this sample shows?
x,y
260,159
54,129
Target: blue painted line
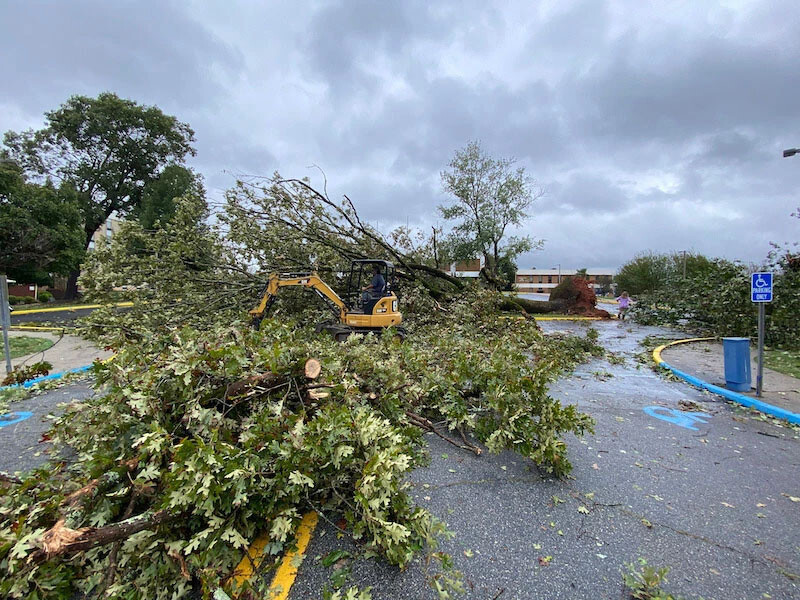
x,y
32,382
769,409
14,417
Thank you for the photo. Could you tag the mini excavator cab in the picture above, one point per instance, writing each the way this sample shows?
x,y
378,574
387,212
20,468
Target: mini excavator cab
x,y
375,275
369,304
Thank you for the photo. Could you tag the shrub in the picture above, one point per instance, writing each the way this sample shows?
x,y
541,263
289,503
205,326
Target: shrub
x,y
45,296
717,302
14,300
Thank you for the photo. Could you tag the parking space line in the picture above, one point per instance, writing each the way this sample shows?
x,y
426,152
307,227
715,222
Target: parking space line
x,y
287,571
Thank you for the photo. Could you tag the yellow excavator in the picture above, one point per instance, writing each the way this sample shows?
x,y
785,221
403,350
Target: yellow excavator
x,y
369,306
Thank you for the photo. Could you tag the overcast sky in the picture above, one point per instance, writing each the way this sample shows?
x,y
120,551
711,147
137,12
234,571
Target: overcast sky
x,y
651,125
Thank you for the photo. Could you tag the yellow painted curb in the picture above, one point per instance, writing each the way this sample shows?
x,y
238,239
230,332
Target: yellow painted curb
x,y
568,318
562,318
287,571
67,308
657,352
35,328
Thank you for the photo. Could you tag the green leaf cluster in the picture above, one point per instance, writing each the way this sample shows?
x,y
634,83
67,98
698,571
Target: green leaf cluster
x,y
218,426
40,226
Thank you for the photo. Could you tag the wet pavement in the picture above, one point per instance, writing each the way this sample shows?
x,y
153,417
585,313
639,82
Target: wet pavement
x,y
65,318
22,446
673,475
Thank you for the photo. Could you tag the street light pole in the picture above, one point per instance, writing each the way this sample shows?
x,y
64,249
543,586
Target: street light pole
x,y
790,152
559,272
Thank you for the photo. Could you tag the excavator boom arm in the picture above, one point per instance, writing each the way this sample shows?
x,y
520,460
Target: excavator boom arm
x,y
276,282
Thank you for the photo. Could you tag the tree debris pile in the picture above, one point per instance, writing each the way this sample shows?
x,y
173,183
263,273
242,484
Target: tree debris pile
x,y
577,297
201,437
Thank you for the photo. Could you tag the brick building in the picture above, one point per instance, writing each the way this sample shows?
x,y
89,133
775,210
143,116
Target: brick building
x,y
542,281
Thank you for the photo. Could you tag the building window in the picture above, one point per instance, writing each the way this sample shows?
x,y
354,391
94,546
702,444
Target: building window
x,y
549,279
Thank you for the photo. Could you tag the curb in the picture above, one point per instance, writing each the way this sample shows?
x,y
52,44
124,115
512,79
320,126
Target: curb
x,y
35,328
50,377
759,405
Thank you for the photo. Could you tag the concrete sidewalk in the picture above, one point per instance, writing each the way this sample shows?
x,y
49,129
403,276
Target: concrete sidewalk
x,y
705,361
67,352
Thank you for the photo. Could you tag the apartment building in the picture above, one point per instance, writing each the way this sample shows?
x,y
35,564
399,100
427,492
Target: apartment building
x,y
107,230
542,281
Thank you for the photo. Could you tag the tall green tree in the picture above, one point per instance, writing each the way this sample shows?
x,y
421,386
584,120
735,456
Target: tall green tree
x,y
490,196
108,149
40,227
648,272
159,196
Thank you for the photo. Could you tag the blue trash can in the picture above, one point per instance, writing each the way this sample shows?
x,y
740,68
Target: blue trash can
x,y
737,363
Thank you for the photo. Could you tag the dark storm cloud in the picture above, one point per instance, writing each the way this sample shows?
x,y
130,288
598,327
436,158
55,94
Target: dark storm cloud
x,y
586,193
153,52
347,40
714,85
650,127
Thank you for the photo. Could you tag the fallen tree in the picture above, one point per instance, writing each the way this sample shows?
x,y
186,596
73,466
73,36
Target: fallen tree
x,y
198,438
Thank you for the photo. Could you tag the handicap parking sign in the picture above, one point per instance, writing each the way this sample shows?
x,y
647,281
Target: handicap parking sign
x,y
761,287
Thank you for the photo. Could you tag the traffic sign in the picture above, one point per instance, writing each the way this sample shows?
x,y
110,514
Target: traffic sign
x,y
761,287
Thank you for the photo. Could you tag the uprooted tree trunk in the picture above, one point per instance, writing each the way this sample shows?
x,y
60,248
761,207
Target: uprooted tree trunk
x,y
573,296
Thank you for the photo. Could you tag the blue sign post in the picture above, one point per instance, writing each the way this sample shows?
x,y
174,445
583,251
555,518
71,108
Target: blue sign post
x,y
760,292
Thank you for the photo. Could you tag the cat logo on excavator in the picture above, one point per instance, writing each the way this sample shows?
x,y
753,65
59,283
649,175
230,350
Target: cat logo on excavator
x,y
365,309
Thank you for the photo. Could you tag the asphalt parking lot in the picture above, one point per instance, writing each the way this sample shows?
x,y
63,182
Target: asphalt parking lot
x,y
672,475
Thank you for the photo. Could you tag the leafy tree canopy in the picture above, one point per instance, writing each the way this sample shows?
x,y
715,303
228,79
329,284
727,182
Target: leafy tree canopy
x,y
204,429
489,197
158,198
107,148
648,272
40,227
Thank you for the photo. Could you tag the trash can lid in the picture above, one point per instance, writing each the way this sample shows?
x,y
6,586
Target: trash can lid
x,y
736,339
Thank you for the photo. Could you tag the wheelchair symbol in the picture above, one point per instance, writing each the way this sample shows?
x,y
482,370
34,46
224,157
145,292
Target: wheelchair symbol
x,y
677,417
761,283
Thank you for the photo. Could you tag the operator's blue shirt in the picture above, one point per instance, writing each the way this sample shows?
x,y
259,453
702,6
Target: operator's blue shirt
x,y
378,283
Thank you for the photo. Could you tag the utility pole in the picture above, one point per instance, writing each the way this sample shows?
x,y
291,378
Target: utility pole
x,y
684,264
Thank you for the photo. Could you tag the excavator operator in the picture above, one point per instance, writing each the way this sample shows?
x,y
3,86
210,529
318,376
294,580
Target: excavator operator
x,y
375,289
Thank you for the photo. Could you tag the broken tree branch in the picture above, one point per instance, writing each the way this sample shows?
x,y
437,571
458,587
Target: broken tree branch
x,y
425,424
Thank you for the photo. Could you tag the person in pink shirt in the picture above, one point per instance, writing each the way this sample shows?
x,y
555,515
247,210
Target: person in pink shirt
x,y
624,302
